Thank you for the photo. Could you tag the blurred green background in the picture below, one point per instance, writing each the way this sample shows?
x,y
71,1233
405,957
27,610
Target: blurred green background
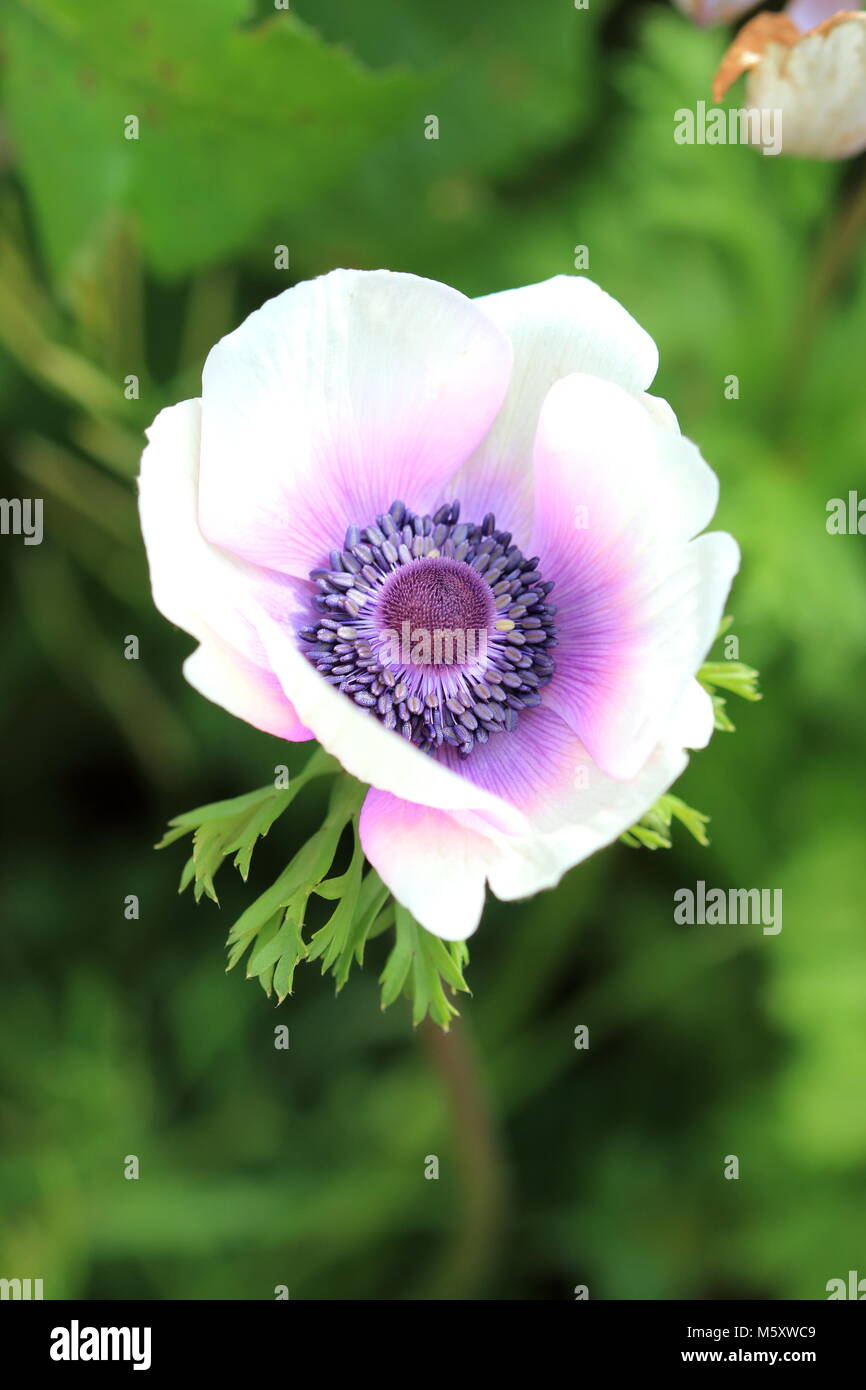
x,y
305,1167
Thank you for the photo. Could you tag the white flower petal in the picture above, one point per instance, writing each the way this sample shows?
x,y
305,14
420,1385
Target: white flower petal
x,y
198,587
693,720
335,399
661,412
638,603
563,325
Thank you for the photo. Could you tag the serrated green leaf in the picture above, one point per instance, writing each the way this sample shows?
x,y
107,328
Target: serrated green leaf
x,y
721,719
267,950
207,856
187,875
236,825
398,964
694,821
171,836
320,764
343,939
652,831
284,972
305,871
419,963
330,941
234,809
733,676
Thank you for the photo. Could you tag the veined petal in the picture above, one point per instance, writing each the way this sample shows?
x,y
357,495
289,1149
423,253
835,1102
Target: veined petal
x,y
563,325
334,399
573,807
638,601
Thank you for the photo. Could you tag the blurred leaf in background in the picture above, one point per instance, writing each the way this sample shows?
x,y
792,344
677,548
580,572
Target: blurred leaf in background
x,y
202,125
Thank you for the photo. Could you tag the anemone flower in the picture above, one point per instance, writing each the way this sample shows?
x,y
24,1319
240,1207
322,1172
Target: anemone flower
x,y
808,63
376,461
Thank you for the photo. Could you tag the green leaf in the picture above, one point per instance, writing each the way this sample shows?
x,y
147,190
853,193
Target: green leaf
x,y
694,821
721,718
319,764
653,829
292,889
343,938
234,826
261,965
730,675
271,928
422,964
294,951
727,675
331,941
239,124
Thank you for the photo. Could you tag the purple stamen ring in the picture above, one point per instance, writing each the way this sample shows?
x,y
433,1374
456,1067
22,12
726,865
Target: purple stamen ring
x,y
441,630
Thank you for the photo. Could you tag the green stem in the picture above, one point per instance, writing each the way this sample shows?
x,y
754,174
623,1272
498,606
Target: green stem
x,y
478,1153
836,252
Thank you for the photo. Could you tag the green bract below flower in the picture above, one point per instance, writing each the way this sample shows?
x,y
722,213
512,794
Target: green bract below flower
x,y
458,545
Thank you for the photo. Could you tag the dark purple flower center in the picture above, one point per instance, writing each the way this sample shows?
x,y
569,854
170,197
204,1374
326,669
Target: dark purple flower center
x,y
440,628
441,595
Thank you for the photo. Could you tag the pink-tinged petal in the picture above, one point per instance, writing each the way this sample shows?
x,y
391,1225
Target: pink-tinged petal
x,y
705,12
202,589
638,604
434,866
335,399
563,325
363,745
587,820
572,808
247,691
436,862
